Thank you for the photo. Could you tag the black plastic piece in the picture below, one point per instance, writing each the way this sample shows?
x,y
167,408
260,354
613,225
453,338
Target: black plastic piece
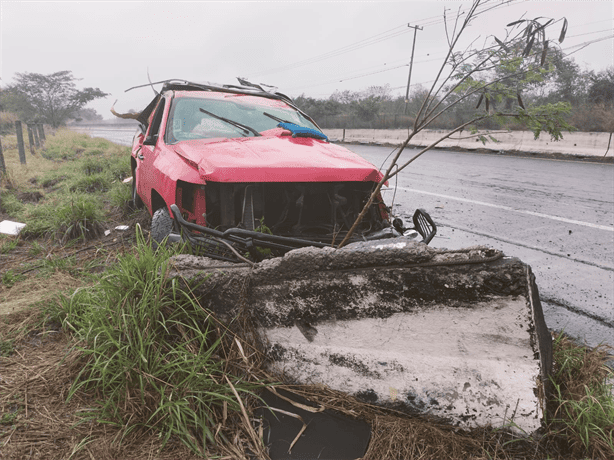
x,y
424,225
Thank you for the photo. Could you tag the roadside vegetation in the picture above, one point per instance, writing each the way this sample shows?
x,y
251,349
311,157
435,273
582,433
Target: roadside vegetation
x,y
102,355
590,96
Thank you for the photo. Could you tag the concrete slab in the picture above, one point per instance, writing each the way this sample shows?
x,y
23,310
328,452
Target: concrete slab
x,y
457,335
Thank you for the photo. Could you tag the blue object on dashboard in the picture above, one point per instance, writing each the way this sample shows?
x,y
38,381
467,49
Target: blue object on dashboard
x,y
301,131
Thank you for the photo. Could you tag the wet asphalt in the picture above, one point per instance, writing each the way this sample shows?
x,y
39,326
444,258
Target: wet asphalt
x,y
555,215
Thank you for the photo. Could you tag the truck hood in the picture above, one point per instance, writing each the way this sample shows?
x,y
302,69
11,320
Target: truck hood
x,y
275,159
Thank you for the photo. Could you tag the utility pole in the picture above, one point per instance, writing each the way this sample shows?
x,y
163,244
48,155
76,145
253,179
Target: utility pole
x,y
411,64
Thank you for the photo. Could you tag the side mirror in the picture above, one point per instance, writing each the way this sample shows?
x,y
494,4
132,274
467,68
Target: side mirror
x,y
151,140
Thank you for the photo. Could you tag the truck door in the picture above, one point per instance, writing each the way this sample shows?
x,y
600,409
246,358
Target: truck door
x,y
145,158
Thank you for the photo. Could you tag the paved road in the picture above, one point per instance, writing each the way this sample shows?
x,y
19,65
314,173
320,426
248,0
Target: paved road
x,y
558,216
121,135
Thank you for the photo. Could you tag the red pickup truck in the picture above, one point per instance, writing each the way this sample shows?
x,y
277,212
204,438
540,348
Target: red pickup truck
x,y
242,164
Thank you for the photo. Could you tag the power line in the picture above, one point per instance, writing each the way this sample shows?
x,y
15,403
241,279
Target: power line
x,y
387,69
391,33
589,33
386,35
581,46
354,77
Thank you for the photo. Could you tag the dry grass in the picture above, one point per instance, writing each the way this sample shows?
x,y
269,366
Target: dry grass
x,y
34,290
396,436
36,165
37,421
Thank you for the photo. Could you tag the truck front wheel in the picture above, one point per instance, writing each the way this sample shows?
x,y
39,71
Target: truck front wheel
x,y
161,226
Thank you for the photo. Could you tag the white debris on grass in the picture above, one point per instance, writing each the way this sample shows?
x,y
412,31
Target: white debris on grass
x,y
9,227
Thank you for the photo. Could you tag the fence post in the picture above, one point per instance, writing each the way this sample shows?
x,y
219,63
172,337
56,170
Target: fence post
x,y
2,165
30,138
20,146
41,132
36,138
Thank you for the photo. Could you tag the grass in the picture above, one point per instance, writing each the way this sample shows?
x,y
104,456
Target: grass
x,y
6,347
154,357
63,193
7,244
583,421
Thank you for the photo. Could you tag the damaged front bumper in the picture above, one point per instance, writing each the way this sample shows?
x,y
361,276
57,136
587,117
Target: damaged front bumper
x,y
234,244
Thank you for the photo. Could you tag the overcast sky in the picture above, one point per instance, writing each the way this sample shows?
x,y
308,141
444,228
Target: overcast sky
x,y
110,45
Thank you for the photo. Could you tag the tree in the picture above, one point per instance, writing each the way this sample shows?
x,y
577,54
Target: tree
x,y
318,108
494,77
601,89
563,81
601,95
17,103
367,104
52,98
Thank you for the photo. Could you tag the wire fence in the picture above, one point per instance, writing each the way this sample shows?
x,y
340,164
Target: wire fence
x,y
36,140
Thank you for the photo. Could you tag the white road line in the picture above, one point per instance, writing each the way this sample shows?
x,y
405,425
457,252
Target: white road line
x,y
507,208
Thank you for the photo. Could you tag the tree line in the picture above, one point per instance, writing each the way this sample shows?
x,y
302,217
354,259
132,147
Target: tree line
x,y
590,96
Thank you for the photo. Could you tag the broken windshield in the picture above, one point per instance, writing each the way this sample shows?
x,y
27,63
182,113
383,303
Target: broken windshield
x,y
246,129
204,118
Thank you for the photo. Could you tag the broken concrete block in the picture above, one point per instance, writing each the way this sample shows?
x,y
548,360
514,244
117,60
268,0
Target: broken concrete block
x,y
457,335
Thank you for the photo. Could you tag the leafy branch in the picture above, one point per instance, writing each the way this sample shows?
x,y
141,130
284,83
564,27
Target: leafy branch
x,y
496,74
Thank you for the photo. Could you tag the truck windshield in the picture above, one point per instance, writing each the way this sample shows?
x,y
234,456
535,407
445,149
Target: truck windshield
x,y
190,119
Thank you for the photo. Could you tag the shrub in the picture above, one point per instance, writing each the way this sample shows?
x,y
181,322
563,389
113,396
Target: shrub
x,y
80,217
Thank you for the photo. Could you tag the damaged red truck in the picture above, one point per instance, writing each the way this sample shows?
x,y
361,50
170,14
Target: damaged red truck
x,y
232,168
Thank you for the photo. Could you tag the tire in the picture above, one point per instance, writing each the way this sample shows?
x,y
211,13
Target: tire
x,y
161,226
137,203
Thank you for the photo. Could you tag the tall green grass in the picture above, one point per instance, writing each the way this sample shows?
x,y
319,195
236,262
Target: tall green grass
x,y
80,180
66,217
582,386
153,355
